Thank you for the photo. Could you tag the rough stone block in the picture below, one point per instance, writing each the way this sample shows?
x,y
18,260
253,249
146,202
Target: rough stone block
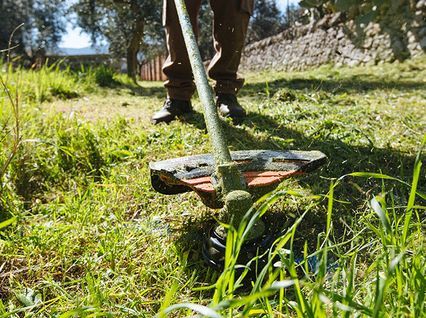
x,y
421,4
340,34
412,47
411,37
367,43
423,43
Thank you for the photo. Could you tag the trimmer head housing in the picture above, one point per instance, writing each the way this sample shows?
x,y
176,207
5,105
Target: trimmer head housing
x,y
262,171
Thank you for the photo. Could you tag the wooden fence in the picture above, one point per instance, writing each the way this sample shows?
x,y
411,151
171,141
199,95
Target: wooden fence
x,y
152,70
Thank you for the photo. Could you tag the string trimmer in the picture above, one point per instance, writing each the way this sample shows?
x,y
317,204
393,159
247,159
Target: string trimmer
x,y
227,180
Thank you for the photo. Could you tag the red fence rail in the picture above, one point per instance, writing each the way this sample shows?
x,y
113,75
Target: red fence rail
x,y
152,70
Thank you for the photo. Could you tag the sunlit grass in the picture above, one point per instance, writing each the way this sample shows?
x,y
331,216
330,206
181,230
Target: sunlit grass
x,y
392,283
82,233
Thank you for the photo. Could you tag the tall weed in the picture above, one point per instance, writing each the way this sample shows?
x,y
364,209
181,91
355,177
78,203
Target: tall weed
x,y
10,140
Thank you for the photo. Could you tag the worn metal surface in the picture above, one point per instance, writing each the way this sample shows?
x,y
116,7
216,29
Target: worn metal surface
x,y
262,170
228,176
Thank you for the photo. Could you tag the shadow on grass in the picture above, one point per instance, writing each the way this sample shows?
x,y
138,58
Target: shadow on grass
x,y
343,158
141,90
356,83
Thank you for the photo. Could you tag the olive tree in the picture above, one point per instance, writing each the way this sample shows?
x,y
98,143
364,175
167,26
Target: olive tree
x,y
130,26
36,25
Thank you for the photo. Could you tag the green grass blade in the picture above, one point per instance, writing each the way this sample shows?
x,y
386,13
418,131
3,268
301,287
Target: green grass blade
x,y
202,310
413,192
330,208
377,207
168,298
7,222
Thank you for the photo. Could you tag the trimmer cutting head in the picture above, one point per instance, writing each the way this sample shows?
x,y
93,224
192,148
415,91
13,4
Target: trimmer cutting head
x,y
262,171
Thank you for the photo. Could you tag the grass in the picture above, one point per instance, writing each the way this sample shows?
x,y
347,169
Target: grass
x,y
82,234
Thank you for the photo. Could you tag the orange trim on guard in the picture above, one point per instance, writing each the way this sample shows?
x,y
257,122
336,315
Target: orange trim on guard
x,y
254,179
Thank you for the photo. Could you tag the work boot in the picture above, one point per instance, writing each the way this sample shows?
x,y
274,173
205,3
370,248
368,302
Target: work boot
x,y
171,109
229,107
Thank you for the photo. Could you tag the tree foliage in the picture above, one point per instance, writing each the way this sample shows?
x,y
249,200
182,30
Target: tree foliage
x,y
129,26
267,20
42,20
134,26
205,40
365,11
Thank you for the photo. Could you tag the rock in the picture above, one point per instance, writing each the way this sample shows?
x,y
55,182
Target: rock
x,y
322,22
335,19
414,48
372,29
421,4
423,43
332,32
340,34
367,58
411,37
367,43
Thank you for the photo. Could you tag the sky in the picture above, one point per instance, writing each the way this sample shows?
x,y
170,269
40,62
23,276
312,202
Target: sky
x,y
282,4
75,38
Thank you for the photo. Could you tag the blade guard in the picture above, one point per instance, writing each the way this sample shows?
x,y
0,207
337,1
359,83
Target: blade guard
x,y
262,170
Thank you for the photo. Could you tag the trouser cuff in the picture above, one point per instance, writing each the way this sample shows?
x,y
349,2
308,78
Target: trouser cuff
x,y
180,91
229,86
178,96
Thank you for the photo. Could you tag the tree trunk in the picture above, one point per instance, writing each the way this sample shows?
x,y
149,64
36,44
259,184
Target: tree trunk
x,y
133,49
131,63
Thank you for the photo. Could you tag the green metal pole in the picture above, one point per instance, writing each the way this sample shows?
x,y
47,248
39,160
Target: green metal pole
x,y
213,123
237,201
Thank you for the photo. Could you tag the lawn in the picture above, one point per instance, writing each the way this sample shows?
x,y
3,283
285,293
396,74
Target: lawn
x,y
83,234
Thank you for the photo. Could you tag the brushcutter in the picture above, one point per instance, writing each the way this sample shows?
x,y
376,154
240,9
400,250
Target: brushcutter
x,y
225,180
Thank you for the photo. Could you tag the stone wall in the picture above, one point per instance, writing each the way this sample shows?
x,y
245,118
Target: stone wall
x,y
332,40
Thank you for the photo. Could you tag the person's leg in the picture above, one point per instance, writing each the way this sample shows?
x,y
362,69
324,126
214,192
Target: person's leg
x,y
179,83
177,68
231,18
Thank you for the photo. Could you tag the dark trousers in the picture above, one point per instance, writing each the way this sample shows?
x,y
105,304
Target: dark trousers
x,y
230,24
